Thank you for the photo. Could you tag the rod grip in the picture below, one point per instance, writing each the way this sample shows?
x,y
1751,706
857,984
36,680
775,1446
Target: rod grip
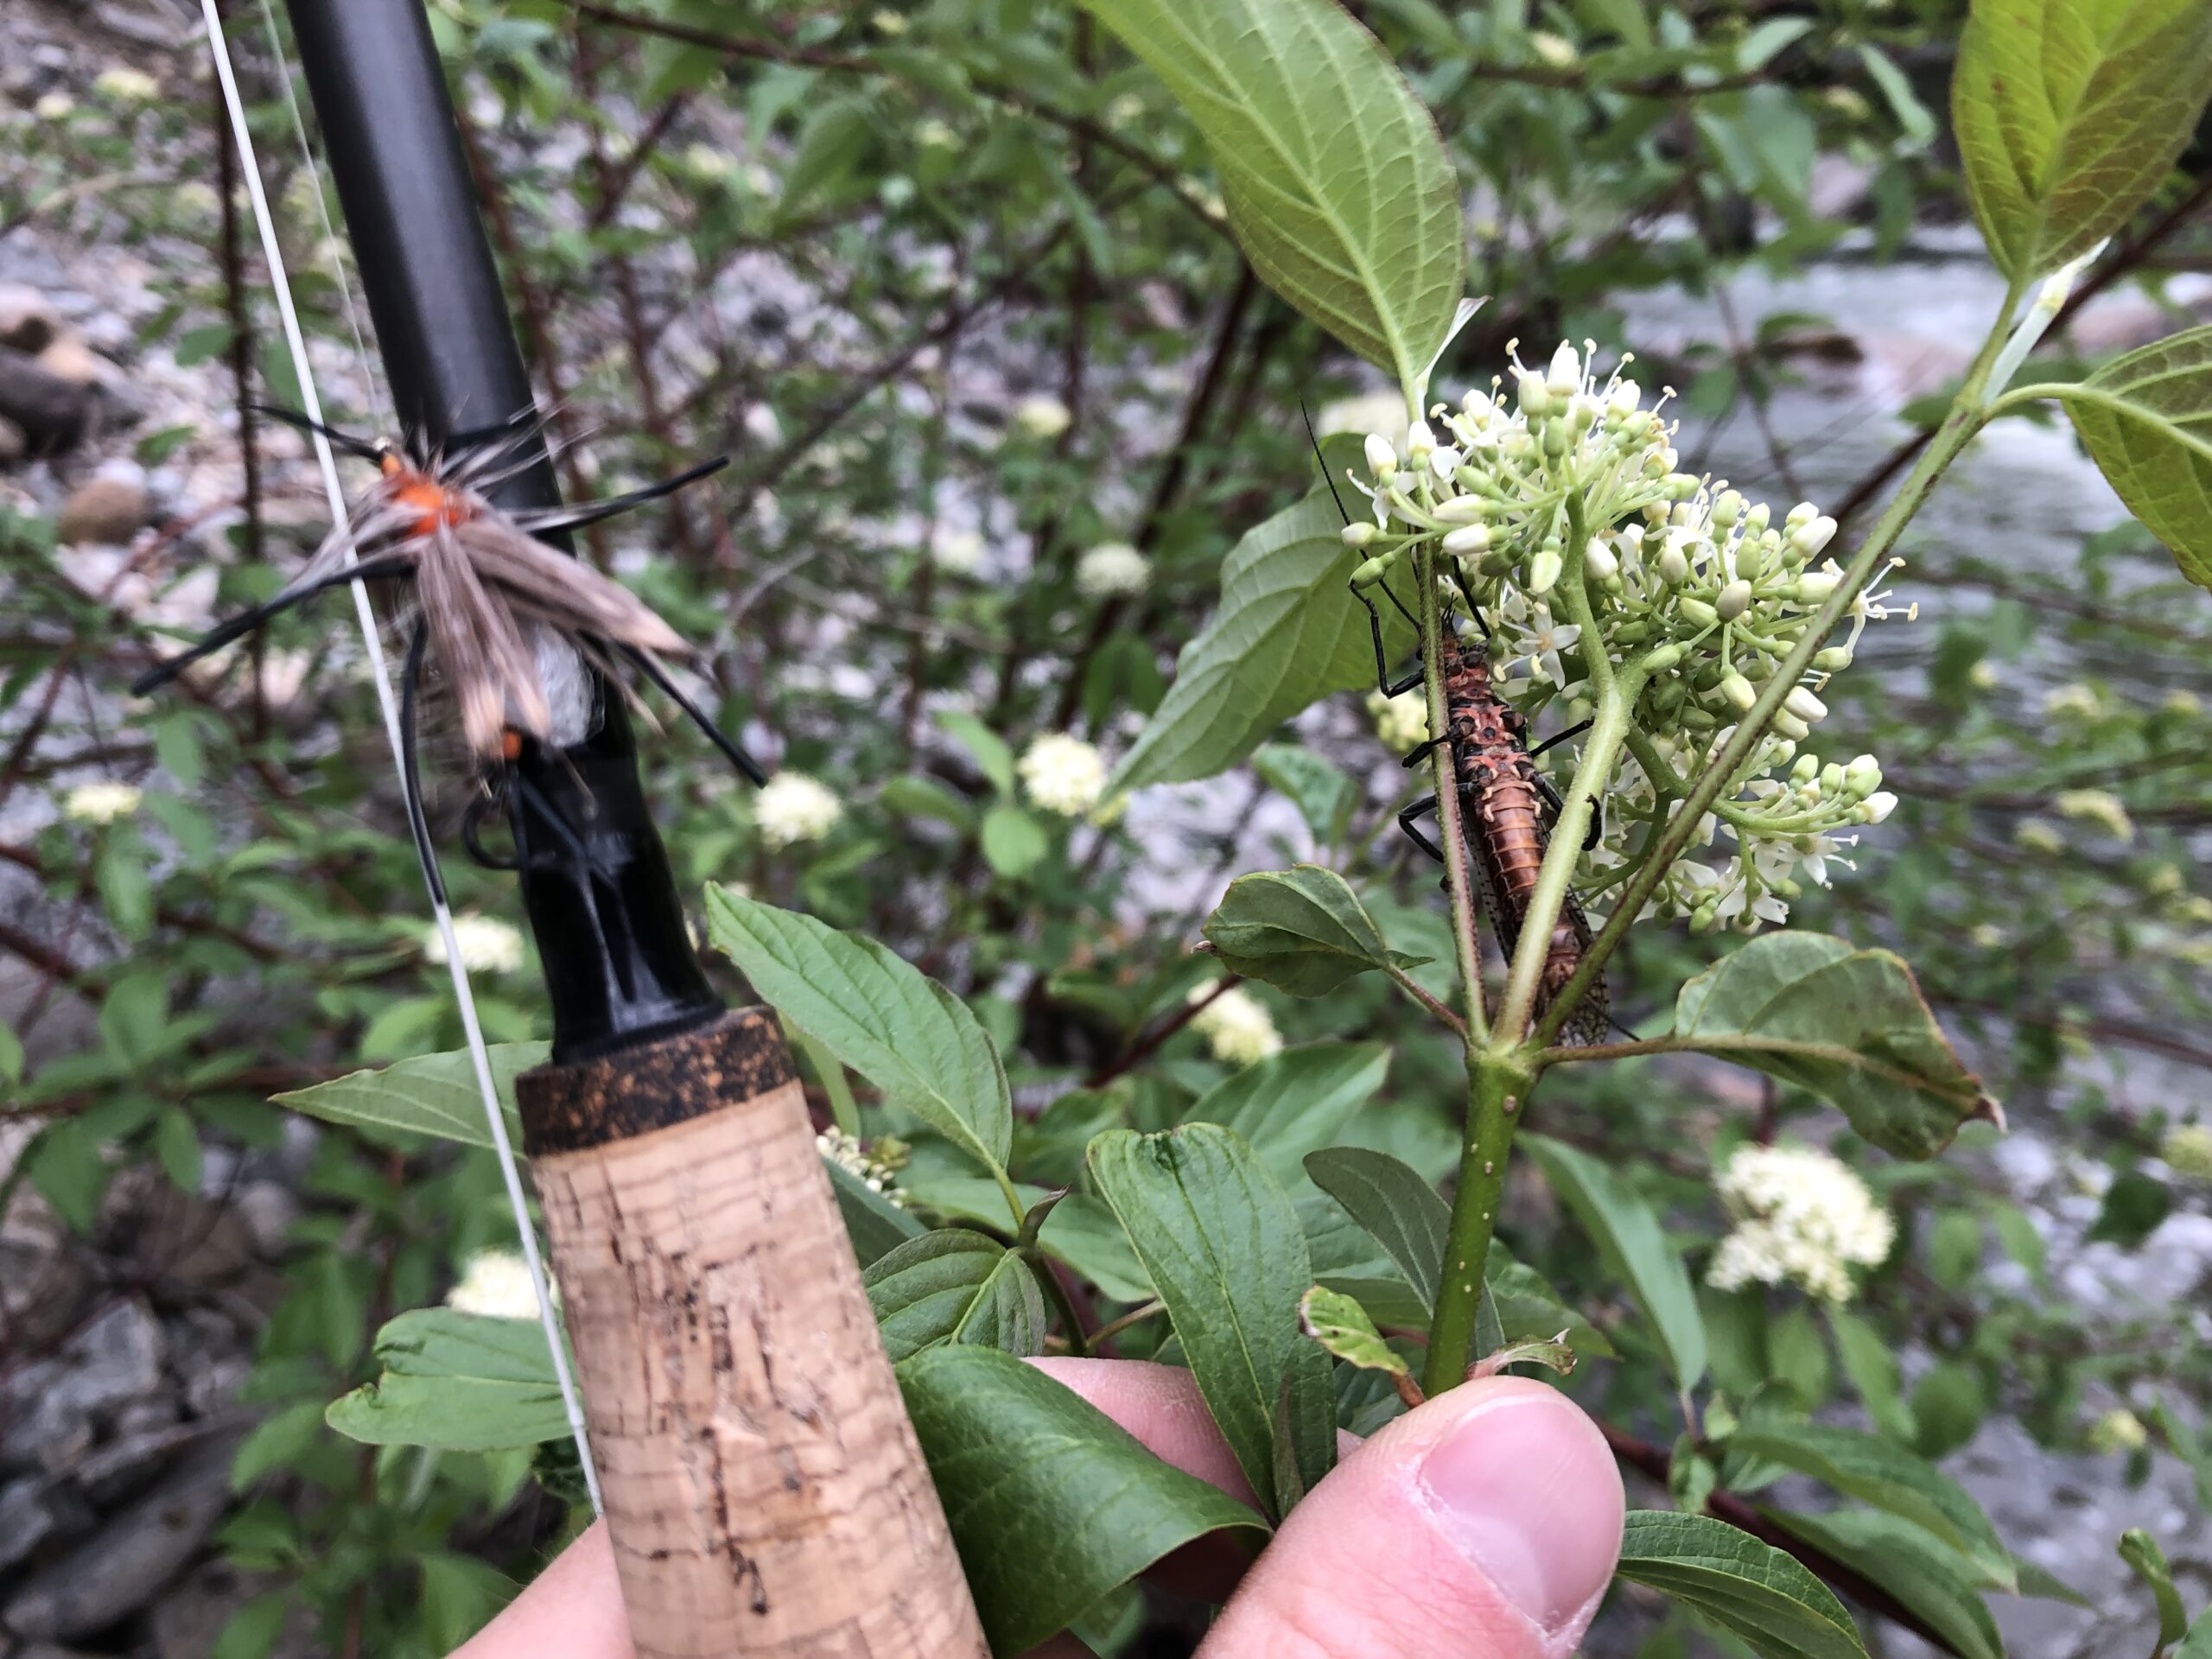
x,y
764,1491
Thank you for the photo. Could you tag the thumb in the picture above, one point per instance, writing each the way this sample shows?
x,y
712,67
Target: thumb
x,y
1484,1525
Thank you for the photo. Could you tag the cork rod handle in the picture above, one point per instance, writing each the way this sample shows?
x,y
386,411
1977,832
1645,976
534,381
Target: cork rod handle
x,y
764,1491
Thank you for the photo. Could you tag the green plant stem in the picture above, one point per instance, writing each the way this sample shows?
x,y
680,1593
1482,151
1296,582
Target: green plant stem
x,y
1405,983
1969,410
1451,834
1496,1084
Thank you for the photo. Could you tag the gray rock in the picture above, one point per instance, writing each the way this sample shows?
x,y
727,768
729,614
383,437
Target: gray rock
x,y
14,443
107,510
28,320
188,1619
128,1562
25,1521
53,1405
52,412
110,1473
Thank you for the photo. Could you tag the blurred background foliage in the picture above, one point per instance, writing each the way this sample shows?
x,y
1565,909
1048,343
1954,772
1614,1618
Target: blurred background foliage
x,y
950,284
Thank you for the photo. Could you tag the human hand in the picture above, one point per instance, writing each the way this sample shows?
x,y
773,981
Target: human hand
x,y
1484,1525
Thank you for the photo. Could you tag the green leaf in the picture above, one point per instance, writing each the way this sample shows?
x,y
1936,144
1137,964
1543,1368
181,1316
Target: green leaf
x,y
988,748
12,1055
1633,1249
1301,929
1879,1472
2198,1643
1294,1101
1338,184
2148,1563
457,1383
1341,1325
1323,795
434,1095
460,1595
875,1225
1871,1365
1400,1211
1223,1246
2145,418
1013,842
1847,1025
278,1441
1749,1588
2136,1205
2068,113
1083,1233
1285,635
897,1027
1913,1565
958,1287
123,874
1052,1503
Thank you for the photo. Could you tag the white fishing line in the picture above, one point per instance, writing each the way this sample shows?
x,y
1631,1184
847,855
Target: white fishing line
x,y
295,345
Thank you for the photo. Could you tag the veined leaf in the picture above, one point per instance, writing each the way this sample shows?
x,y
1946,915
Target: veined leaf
x,y
1226,1253
1847,1025
1294,1101
2145,418
1338,184
2148,1563
2068,113
1323,795
1301,929
1388,1198
884,1018
1880,1473
1749,1588
1082,1232
433,1094
953,1286
1287,634
1913,1565
1052,1503
1632,1247
457,1383
1341,1325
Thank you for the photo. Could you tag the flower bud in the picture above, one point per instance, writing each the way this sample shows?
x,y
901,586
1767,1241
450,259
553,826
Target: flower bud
x,y
1727,508
1674,565
1807,707
1862,777
1373,570
1499,561
1420,442
1682,487
1800,516
1806,769
1751,560
1832,781
1621,402
1536,396
1738,692
1564,375
1833,660
1697,613
1544,570
1663,659
1876,807
1462,509
1810,538
1815,587
1381,459
1791,728
1755,521
1582,412
1358,535
1735,599
1598,562
1558,438
1468,538
1696,720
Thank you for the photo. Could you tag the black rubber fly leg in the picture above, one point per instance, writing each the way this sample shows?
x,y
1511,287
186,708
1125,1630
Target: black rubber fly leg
x,y
1551,796
699,717
1375,632
411,771
391,564
1421,808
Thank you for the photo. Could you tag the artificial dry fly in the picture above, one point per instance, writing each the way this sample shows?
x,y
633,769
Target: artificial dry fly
x,y
1507,805
511,618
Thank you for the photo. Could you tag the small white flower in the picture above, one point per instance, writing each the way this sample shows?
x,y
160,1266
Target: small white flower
x,y
496,1284
1381,459
1112,570
956,552
486,944
792,808
877,1174
1804,1217
1237,1026
935,134
2186,1150
1552,49
2098,806
2074,701
1399,721
1370,411
101,803
1064,774
126,86
2118,1433
890,23
1042,417
54,107
1546,640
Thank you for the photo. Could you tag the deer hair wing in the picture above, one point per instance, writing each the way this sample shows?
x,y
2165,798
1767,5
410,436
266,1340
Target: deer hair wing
x,y
566,592
489,664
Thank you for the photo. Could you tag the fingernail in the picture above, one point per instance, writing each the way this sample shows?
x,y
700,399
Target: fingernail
x,y
1526,1488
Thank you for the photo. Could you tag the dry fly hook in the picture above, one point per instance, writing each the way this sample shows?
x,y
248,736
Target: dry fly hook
x,y
495,604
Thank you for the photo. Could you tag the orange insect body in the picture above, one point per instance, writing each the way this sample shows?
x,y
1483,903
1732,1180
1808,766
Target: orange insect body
x,y
1505,830
431,503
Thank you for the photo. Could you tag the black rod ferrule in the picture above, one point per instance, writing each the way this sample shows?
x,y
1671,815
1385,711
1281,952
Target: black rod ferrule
x,y
620,966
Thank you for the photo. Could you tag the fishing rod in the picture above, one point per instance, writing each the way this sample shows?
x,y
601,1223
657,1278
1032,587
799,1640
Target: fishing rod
x,y
761,1486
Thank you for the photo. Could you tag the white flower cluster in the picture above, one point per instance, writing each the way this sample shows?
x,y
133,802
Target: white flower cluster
x,y
1802,1218
1041,416
846,1151
1237,1026
1566,495
792,807
1399,721
486,944
1112,570
2118,1433
2186,1150
1062,773
495,1283
101,803
956,552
